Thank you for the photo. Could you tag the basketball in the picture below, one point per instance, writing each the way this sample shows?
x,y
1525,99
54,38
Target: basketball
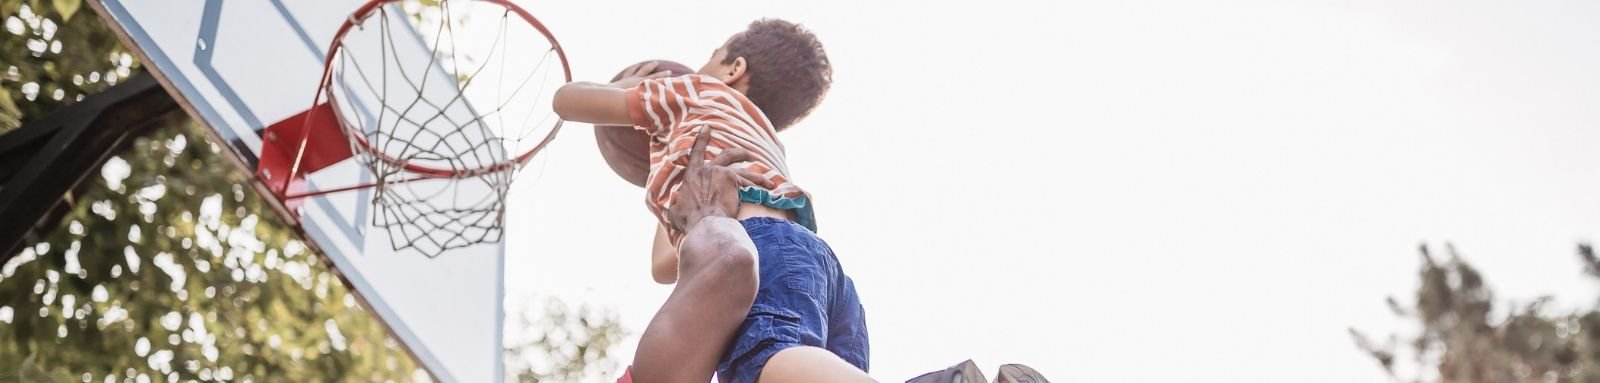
x,y
627,150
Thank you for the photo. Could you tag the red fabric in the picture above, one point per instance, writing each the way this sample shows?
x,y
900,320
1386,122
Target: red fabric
x,y
627,376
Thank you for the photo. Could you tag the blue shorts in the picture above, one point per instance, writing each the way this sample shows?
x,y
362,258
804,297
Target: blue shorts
x,y
804,300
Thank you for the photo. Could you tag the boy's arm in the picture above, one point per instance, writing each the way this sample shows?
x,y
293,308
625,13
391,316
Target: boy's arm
x,y
663,258
599,104
602,104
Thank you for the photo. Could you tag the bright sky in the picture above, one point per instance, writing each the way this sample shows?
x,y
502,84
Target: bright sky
x,y
1132,190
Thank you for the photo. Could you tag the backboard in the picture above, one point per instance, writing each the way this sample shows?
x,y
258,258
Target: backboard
x,y
240,66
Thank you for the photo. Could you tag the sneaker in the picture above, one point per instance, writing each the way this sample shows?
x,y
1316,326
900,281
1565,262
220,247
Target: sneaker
x,y
966,372
1016,373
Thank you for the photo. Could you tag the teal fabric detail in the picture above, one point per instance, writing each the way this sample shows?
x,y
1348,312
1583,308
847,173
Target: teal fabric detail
x,y
803,214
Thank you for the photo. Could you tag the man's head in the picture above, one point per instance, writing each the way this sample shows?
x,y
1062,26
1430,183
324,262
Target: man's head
x,y
779,65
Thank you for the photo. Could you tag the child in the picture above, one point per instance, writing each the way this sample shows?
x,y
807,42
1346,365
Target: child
x,y
803,321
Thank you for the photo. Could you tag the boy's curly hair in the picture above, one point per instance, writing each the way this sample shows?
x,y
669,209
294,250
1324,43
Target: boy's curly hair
x,y
788,70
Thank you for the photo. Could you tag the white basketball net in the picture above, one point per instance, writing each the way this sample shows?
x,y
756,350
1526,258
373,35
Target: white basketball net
x,y
444,122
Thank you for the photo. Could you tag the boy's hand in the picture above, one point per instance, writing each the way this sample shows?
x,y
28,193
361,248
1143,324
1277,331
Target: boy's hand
x,y
638,73
710,189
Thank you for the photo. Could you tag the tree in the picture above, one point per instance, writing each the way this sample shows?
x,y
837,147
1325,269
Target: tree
x,y
560,343
1462,341
53,53
167,267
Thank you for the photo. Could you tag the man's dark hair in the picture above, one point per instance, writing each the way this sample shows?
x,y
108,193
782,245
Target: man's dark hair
x,y
788,70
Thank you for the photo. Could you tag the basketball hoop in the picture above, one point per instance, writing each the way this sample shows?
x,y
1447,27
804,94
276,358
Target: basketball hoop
x,y
442,164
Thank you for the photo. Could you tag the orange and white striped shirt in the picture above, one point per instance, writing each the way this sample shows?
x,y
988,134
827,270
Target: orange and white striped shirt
x,y
676,110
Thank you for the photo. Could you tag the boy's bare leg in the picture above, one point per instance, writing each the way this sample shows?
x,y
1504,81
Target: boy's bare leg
x,y
716,285
809,364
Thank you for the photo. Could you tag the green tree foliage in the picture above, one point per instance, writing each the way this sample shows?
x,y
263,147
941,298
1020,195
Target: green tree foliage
x,y
53,53
167,267
560,343
1462,340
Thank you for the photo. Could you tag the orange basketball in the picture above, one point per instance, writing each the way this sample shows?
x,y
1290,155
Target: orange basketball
x,y
627,150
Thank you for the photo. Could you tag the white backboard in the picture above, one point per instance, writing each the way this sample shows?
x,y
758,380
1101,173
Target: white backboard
x,y
240,66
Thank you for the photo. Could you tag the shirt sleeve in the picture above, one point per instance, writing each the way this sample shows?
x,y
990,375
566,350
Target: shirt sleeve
x,y
658,105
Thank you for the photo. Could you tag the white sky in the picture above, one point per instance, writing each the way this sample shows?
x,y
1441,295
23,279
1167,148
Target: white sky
x,y
1127,190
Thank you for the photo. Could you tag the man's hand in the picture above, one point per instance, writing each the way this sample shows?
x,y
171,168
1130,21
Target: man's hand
x,y
710,189
638,73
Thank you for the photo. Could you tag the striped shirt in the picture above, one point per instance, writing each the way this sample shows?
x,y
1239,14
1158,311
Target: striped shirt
x,y
676,110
